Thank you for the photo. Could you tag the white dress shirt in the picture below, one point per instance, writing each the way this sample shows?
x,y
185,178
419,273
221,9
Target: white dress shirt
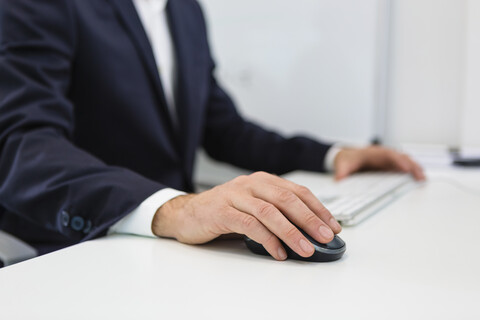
x,y
153,15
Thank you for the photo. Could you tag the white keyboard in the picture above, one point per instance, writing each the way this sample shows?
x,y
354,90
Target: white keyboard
x,y
355,198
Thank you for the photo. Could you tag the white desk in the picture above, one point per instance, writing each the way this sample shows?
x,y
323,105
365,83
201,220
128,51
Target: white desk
x,y
417,259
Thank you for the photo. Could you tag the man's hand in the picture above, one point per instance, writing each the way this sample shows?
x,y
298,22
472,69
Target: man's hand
x,y
262,206
349,161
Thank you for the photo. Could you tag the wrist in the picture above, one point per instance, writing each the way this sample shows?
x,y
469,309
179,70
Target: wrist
x,y
167,220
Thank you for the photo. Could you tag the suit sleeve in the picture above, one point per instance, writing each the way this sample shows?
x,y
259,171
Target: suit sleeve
x,y
43,174
231,138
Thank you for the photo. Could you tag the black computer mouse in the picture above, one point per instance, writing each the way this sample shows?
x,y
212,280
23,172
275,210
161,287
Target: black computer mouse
x,y
324,252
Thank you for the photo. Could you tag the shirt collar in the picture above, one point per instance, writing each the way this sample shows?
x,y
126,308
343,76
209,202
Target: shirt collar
x,y
155,5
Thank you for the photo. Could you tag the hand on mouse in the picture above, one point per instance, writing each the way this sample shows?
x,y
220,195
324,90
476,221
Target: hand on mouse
x,y
260,206
351,160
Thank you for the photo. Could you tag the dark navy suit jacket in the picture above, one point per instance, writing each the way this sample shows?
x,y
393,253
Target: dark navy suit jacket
x,y
85,134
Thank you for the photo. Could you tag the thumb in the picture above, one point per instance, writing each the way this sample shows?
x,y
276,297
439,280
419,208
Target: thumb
x,y
346,163
342,170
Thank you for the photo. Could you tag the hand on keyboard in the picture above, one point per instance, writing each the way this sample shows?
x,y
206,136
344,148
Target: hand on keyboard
x,y
360,192
350,160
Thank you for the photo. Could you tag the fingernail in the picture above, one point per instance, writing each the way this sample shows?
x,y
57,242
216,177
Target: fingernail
x,y
326,232
335,223
306,247
282,254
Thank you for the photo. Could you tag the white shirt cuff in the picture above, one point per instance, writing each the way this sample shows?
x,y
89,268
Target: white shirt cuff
x,y
139,221
329,161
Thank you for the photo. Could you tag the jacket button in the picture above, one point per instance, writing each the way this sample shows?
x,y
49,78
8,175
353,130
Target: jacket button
x,y
88,226
65,218
77,223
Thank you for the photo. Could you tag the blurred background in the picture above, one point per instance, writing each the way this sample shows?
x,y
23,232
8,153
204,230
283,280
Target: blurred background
x,y
406,72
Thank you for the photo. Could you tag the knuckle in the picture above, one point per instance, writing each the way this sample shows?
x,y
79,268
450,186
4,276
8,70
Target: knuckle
x,y
265,210
259,174
270,240
324,211
311,219
240,180
248,222
303,191
286,196
291,232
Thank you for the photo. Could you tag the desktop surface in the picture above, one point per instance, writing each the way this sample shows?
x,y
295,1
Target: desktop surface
x,y
417,259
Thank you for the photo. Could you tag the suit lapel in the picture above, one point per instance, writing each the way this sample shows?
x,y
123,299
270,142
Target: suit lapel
x,y
132,23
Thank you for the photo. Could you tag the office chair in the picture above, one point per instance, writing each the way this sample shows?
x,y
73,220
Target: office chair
x,y
13,250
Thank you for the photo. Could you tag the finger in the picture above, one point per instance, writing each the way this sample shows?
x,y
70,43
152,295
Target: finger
x,y
400,162
243,223
310,200
410,166
295,210
342,171
346,164
276,223
417,171
314,205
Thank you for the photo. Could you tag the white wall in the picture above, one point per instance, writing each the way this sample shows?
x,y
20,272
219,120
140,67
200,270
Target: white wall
x,y
434,75
427,71
470,122
306,66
